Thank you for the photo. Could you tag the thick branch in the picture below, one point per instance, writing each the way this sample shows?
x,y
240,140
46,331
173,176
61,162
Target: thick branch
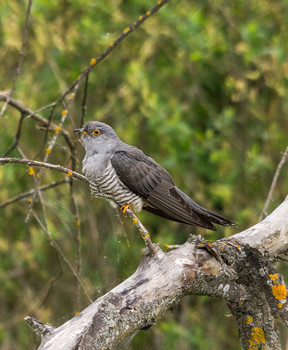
x,y
269,235
228,269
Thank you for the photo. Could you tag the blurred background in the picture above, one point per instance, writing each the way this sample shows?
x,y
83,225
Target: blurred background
x,y
201,87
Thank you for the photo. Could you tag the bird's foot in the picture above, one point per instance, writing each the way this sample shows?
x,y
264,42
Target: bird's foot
x,y
125,207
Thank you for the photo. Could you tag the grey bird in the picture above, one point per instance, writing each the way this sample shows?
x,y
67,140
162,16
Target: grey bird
x,y
125,175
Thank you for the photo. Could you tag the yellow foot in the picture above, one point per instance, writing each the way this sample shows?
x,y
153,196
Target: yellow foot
x,y
125,207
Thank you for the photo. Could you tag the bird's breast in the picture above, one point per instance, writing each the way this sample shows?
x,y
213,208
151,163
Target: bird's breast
x,y
94,166
105,183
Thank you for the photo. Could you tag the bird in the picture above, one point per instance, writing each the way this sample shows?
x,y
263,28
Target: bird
x,y
123,174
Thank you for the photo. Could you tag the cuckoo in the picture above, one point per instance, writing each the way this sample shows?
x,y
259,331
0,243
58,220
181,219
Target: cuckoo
x,y
124,175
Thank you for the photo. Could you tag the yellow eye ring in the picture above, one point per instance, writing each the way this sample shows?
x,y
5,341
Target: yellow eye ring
x,y
96,132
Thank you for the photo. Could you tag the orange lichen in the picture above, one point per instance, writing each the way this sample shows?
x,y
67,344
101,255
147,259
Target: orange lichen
x,y
93,61
64,112
249,319
58,128
274,277
48,150
77,223
279,291
257,337
140,18
280,305
135,221
31,171
126,30
69,173
148,13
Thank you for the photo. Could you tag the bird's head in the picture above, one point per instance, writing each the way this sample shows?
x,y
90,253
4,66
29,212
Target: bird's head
x,y
98,137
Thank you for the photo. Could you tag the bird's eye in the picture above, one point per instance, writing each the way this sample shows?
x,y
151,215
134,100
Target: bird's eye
x,y
96,132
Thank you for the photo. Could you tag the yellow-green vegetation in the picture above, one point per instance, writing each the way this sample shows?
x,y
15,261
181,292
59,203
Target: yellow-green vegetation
x,y
201,86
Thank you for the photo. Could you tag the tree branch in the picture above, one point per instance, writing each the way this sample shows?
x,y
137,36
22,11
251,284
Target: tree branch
x,y
229,269
269,235
68,172
31,192
274,182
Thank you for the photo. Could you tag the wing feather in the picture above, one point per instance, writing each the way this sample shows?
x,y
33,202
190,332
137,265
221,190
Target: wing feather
x,y
143,176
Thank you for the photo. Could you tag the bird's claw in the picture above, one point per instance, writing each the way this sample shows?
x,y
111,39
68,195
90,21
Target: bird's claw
x,y
125,207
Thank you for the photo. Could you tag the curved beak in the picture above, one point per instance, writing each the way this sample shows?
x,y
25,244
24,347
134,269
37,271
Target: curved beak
x,y
79,130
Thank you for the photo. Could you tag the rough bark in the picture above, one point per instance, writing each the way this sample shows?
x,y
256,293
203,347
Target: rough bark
x,y
235,269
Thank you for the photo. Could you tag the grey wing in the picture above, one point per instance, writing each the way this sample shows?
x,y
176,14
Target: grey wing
x,y
154,184
138,172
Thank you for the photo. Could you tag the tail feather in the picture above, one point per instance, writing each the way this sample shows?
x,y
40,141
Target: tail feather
x,y
210,215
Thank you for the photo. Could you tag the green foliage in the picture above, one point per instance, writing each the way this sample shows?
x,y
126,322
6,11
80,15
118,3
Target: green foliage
x,y
201,87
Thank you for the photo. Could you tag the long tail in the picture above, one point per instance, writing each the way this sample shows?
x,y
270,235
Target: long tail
x,y
208,214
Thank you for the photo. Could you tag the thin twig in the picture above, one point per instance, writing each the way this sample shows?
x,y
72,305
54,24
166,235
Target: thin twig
x,y
17,136
84,101
60,252
75,211
21,55
36,192
68,172
274,182
47,128
143,231
29,193
95,61
32,114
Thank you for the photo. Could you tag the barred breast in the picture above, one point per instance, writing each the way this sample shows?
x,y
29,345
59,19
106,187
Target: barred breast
x,y
105,183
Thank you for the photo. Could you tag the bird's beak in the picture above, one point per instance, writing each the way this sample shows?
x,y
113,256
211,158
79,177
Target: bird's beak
x,y
80,130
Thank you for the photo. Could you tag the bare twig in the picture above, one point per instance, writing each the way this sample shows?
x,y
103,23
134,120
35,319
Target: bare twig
x,y
84,101
143,231
29,113
36,192
95,61
29,193
21,54
78,233
274,182
47,128
17,136
68,172
61,254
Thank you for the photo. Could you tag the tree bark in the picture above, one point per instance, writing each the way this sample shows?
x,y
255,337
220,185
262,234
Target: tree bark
x,y
236,269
